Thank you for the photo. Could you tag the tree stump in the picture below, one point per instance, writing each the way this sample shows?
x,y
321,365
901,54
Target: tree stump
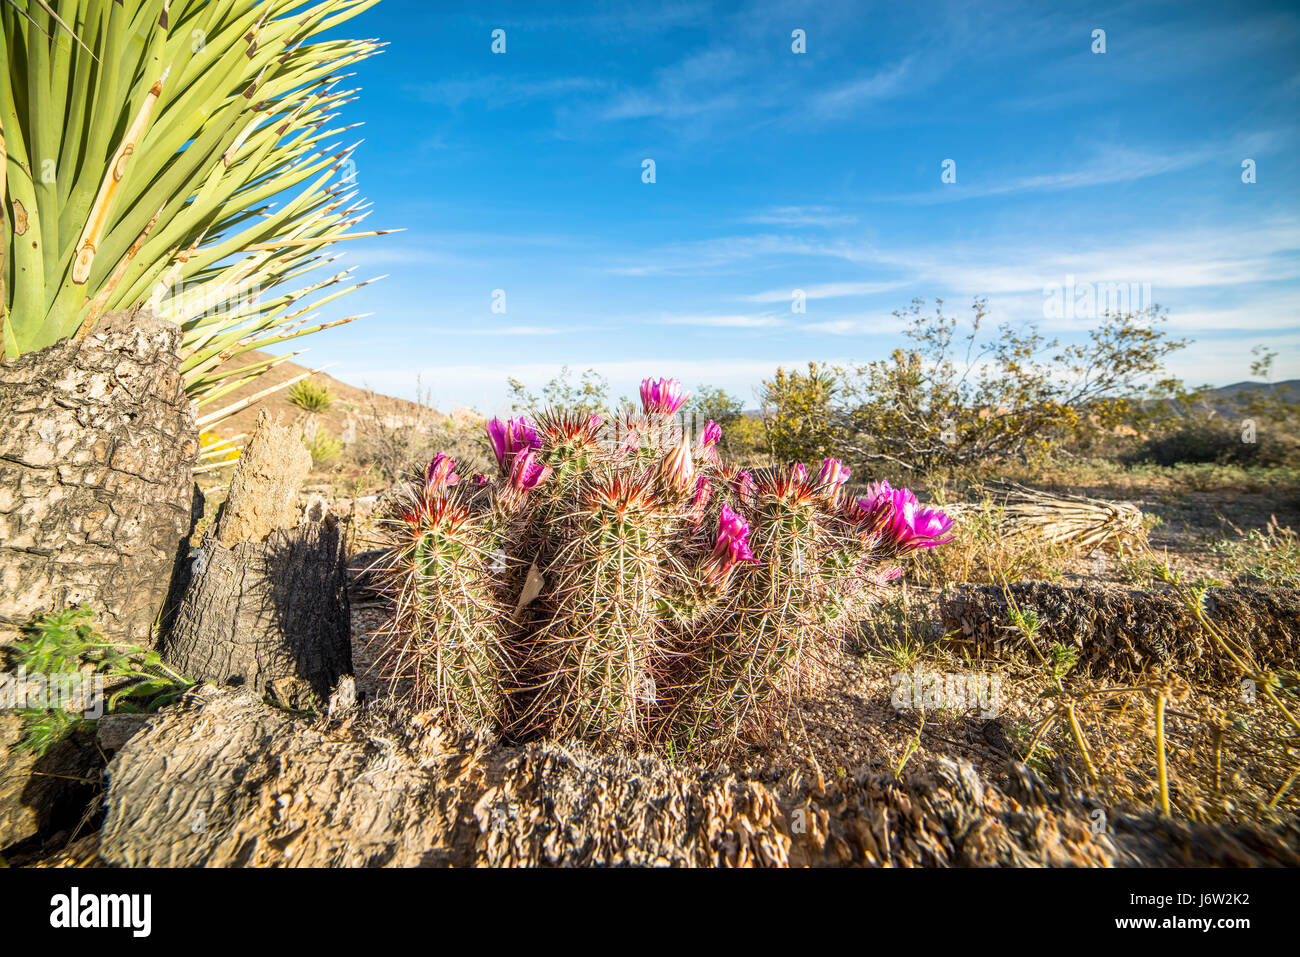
x,y
97,439
266,605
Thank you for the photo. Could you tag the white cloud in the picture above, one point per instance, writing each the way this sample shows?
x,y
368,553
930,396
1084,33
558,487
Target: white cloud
x,y
801,216
734,322
832,290
862,91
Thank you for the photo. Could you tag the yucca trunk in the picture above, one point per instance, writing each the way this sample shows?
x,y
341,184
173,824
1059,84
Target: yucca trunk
x,y
97,439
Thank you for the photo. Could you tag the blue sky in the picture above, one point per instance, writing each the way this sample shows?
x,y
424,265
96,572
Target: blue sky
x,y
819,171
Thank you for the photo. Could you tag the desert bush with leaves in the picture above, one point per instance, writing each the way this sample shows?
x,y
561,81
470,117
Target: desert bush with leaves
x,y
616,581
957,398
589,394
1270,555
322,445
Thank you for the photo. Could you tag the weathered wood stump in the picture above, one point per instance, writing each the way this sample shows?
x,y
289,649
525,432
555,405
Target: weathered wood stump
x,y
97,439
224,780
266,605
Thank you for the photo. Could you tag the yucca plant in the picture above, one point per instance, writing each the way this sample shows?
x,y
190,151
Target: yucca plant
x,y
617,581
170,178
311,396
176,154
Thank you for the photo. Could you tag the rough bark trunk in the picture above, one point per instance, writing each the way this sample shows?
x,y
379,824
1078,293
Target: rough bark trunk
x,y
97,440
264,489
224,780
271,615
266,605
1120,633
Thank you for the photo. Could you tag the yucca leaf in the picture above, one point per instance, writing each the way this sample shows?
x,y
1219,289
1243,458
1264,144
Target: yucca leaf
x,y
187,144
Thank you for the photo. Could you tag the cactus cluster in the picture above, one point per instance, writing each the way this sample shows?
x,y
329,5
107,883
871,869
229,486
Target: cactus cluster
x,y
616,580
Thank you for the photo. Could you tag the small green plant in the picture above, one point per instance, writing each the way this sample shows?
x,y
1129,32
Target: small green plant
x,y
1271,556
311,396
324,448
66,643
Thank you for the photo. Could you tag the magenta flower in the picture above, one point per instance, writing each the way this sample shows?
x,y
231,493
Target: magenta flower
x,y
832,477
663,397
699,500
730,548
929,524
440,472
509,438
908,524
526,472
744,487
593,422
799,472
709,438
883,491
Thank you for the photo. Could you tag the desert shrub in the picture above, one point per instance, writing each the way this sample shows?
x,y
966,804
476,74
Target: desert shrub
x,y
323,446
1271,556
642,590
590,394
311,396
957,398
1216,441
799,413
397,438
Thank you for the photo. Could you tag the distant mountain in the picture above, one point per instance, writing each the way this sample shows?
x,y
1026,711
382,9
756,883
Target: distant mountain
x,y
1223,400
1290,388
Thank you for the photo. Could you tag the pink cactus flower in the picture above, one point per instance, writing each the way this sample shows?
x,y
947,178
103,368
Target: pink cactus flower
x,y
928,525
709,438
526,472
832,477
699,501
909,525
730,548
509,438
744,487
662,397
799,473
440,472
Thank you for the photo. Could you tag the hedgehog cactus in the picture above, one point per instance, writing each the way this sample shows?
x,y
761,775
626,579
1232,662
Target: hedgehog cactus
x,y
618,582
